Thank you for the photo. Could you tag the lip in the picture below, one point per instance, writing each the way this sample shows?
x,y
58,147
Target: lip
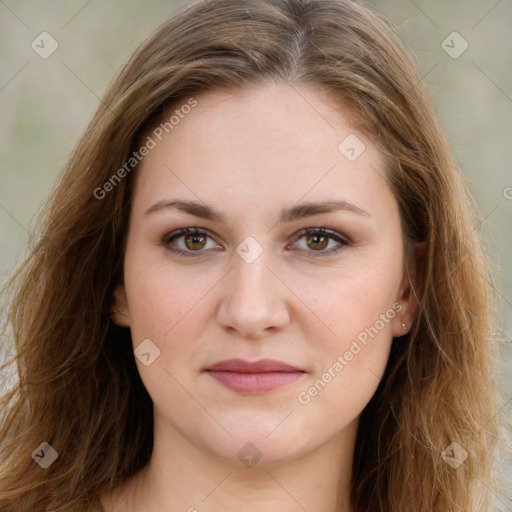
x,y
254,377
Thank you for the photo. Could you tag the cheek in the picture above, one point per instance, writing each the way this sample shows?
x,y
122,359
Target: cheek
x,y
167,306
158,295
168,311
349,302
357,309
351,360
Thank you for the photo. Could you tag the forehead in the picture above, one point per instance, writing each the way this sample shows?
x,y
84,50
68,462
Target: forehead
x,y
270,143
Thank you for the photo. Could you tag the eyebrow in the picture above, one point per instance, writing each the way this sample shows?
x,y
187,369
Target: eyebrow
x,y
289,215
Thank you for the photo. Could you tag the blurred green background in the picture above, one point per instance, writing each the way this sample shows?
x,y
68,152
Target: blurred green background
x,y
45,105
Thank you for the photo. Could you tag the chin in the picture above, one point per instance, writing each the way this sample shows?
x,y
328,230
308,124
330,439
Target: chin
x,y
261,443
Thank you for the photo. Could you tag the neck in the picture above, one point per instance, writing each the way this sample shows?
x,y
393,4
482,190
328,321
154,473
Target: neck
x,y
184,477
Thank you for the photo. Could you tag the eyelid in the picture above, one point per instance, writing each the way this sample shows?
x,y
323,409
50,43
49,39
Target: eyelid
x,y
320,230
178,233
342,240
193,230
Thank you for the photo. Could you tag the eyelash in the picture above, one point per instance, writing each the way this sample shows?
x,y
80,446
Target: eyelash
x,y
333,235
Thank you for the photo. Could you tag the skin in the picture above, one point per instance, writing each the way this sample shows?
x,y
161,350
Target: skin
x,y
249,154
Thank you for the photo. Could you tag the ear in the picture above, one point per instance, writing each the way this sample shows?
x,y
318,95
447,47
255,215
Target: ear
x,y
119,311
407,296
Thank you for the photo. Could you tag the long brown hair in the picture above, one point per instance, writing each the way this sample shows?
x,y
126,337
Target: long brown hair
x,y
78,388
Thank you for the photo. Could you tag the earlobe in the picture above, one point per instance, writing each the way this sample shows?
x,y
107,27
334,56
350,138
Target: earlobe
x,y
410,291
404,319
119,311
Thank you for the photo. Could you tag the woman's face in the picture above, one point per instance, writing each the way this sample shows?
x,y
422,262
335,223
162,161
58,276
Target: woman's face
x,y
251,171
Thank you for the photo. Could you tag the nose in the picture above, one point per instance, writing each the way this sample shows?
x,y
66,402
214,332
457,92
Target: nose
x,y
255,302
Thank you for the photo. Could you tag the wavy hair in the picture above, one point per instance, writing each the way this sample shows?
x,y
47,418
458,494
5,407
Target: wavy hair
x,y
77,383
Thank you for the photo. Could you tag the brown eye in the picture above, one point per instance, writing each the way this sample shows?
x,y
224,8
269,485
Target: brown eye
x,y
190,242
195,242
320,241
317,242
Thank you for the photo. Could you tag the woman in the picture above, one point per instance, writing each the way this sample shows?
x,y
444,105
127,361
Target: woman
x,y
257,284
